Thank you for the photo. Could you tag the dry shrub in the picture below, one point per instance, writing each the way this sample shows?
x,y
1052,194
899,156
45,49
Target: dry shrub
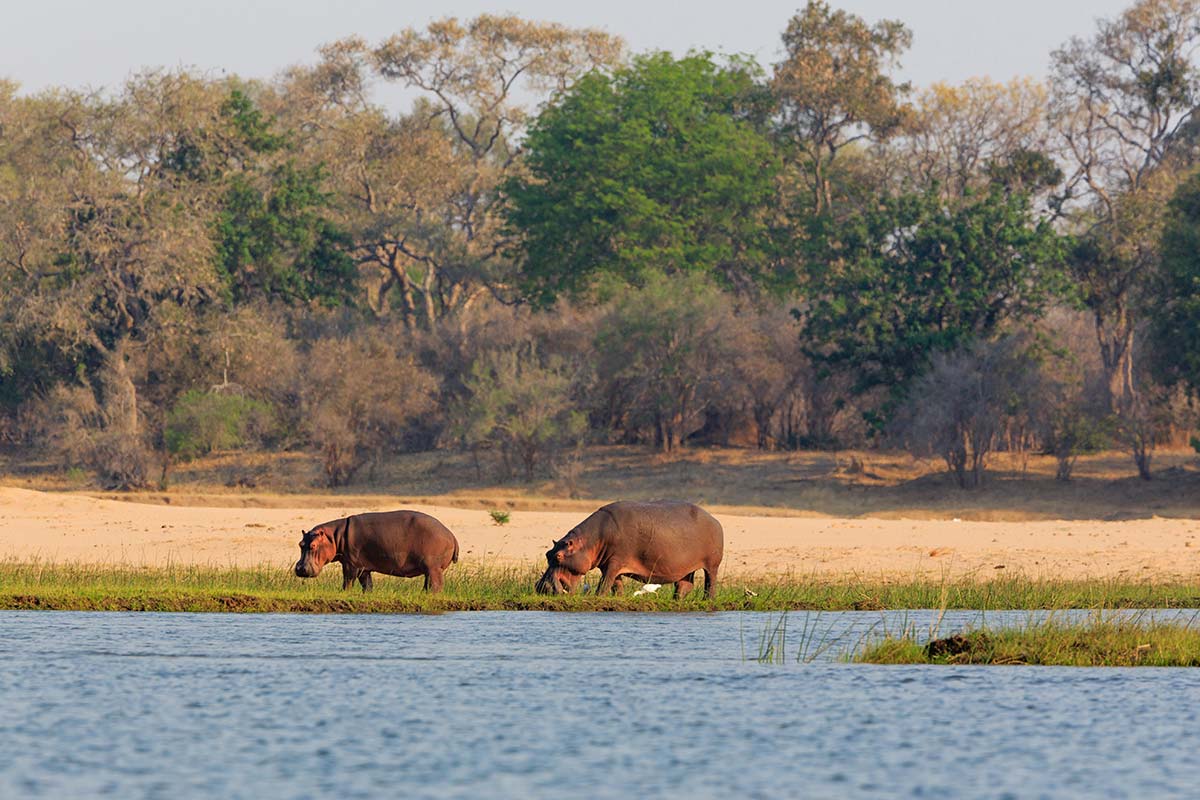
x,y
1069,411
251,355
70,423
957,409
768,372
520,403
121,460
663,357
360,397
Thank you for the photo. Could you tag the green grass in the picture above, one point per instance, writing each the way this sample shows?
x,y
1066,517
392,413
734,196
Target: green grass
x,y
1101,641
470,587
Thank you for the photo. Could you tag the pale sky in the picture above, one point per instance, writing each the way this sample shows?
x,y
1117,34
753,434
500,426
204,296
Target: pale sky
x,y
97,43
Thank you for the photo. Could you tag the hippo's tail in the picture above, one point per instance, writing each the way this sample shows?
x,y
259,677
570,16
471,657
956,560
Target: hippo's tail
x,y
454,558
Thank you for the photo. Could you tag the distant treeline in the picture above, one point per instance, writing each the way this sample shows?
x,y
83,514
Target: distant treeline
x,y
560,243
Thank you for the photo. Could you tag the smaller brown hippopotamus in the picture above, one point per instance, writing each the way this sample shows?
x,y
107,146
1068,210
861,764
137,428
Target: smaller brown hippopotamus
x,y
659,541
402,543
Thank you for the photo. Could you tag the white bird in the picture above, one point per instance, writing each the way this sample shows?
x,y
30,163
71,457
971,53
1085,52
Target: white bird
x,y
649,588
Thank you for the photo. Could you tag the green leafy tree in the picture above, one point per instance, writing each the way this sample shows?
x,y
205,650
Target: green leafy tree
x,y
274,234
662,167
1176,316
275,241
912,277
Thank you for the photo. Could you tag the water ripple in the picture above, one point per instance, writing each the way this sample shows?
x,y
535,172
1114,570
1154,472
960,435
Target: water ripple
x,y
520,704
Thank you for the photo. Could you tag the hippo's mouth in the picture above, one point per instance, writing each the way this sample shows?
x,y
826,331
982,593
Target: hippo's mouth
x,y
306,569
557,581
549,584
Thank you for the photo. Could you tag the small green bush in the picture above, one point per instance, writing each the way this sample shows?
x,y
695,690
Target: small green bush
x,y
202,422
500,517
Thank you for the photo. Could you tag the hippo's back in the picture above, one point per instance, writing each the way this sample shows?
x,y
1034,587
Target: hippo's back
x,y
412,533
674,522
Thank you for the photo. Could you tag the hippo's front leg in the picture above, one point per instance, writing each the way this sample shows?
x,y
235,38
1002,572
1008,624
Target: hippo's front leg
x,y
364,578
610,580
349,574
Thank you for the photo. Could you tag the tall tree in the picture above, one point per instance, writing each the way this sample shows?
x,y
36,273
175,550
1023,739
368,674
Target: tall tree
x,y
1120,99
663,166
834,88
421,191
111,227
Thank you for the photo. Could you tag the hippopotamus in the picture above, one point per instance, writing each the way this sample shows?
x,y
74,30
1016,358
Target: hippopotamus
x,y
660,541
403,543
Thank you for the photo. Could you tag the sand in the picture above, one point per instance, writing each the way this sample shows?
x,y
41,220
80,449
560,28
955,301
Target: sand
x,y
76,528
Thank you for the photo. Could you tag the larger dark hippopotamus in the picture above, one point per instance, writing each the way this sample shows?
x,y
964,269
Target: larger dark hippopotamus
x,y
403,543
659,541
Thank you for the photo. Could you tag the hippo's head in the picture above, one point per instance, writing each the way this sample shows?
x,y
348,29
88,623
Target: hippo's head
x,y
556,580
566,564
317,549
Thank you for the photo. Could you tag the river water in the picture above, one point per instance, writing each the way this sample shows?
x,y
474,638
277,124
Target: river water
x,y
523,704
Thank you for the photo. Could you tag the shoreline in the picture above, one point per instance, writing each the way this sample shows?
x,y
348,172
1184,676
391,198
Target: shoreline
x,y
472,587
62,528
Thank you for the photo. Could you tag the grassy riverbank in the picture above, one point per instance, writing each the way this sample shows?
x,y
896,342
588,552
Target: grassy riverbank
x,y
1101,641
187,588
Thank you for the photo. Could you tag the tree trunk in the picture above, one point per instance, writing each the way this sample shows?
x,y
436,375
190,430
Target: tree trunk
x,y
529,458
1142,457
763,414
1115,336
427,287
120,393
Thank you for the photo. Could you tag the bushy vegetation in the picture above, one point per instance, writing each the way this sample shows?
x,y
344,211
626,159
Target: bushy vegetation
x,y
559,243
1105,640
204,422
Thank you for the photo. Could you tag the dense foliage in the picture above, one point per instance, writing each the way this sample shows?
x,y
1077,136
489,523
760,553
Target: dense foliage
x,y
555,243
662,167
913,276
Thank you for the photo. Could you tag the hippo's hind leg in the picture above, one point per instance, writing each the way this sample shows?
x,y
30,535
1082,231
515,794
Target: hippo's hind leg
x,y
684,585
433,580
364,578
710,581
